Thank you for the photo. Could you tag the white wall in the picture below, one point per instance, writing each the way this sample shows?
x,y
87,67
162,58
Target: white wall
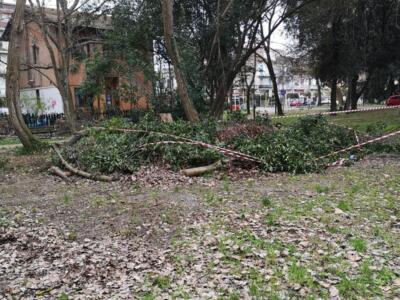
x,y
50,98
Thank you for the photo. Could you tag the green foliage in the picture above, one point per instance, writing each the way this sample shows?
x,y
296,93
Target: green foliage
x,y
359,245
266,201
108,151
37,147
9,141
295,147
236,116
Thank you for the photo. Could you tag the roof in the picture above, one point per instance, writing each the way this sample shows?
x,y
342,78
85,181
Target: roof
x,y
102,22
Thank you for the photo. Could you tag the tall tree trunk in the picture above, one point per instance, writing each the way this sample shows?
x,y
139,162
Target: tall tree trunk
x,y
347,105
222,86
248,105
333,94
319,92
173,52
217,107
13,73
355,94
250,87
275,90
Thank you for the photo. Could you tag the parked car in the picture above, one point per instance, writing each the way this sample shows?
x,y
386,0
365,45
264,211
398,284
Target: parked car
x,y
3,111
234,107
296,103
393,101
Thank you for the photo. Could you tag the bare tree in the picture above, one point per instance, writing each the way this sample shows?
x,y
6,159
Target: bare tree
x,y
58,29
174,54
13,71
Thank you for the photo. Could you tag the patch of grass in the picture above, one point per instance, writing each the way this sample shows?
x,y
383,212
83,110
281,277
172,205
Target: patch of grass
x,y
344,206
359,245
321,189
299,274
266,201
63,296
163,282
38,147
213,199
9,141
371,122
148,296
271,219
366,285
98,201
67,199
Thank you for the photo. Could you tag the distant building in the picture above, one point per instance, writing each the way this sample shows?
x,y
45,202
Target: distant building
x,y
293,82
6,11
39,95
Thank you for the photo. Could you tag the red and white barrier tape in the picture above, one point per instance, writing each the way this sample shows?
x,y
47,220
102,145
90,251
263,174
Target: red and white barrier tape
x,y
384,137
336,112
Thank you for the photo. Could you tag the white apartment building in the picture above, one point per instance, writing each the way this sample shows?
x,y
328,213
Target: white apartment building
x,y
293,83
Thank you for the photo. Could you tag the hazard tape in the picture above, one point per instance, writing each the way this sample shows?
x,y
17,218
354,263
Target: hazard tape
x,y
336,112
384,137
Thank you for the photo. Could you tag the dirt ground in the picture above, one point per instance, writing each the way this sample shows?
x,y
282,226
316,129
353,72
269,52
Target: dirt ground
x,y
334,235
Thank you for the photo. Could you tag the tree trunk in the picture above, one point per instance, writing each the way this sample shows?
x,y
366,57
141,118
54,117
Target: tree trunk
x,y
218,106
173,52
248,95
13,67
347,105
319,92
272,74
69,109
355,95
333,94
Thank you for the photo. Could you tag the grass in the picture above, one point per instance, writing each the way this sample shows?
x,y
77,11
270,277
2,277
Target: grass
x,y
9,141
374,122
359,245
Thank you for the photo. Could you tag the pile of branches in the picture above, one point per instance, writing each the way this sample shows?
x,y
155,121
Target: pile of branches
x,y
124,148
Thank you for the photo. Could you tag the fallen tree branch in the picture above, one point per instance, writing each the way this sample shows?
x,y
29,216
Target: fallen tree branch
x,y
60,173
202,170
76,137
224,151
80,172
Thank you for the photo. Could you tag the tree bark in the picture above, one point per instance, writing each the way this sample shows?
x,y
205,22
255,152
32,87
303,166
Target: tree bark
x,y
13,73
355,94
319,92
275,90
173,52
333,94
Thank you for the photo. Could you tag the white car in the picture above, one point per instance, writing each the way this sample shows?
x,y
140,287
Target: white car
x,y
3,111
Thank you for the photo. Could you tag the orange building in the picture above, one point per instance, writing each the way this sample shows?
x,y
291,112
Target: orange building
x,y
39,93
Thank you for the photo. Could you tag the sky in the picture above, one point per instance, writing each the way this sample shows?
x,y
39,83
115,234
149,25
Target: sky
x,y
280,41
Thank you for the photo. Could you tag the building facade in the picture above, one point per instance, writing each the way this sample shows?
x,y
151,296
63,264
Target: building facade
x,y
38,90
6,11
293,83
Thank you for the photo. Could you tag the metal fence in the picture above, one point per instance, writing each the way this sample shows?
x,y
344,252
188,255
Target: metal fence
x,y
39,121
